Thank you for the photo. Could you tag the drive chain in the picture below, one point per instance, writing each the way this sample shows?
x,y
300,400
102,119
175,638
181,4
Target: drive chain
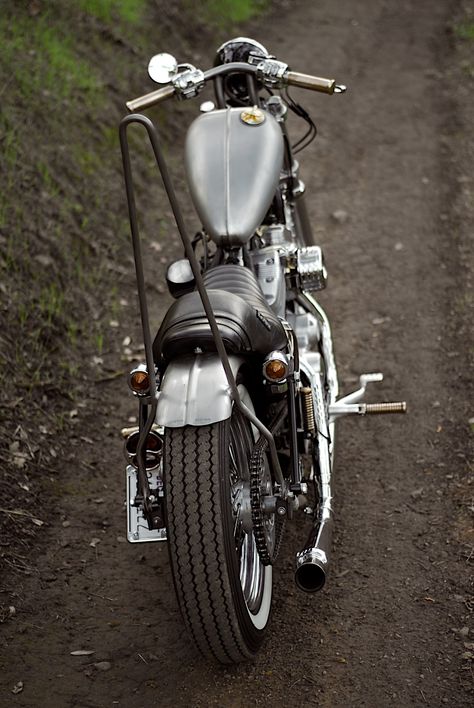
x,y
257,471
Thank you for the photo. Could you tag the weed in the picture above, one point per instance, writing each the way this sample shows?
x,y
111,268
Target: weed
x,y
51,302
110,138
69,368
127,10
225,12
72,329
42,60
10,149
49,183
464,30
99,340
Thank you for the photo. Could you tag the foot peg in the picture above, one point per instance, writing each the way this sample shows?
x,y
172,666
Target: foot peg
x,y
349,405
399,407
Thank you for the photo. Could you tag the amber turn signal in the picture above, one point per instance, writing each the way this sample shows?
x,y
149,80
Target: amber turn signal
x,y
275,367
139,381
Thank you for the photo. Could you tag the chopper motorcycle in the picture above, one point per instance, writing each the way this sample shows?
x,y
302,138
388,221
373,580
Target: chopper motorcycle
x,y
238,396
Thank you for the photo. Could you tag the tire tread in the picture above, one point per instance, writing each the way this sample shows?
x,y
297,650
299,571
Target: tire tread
x,y
193,458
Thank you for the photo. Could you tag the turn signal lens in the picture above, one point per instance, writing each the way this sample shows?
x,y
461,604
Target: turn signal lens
x,y
139,381
275,367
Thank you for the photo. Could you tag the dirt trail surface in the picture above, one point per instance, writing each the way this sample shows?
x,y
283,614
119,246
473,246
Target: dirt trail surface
x,y
389,180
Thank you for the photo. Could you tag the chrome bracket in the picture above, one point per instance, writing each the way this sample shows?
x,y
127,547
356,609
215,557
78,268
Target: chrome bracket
x,y
137,526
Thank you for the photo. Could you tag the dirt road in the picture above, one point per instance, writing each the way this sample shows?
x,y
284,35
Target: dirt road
x,y
392,626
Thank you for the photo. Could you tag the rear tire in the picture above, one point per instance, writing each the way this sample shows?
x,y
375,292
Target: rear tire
x,y
223,590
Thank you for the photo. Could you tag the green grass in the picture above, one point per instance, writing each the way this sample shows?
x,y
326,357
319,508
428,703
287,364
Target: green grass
x,y
41,59
464,30
227,12
105,10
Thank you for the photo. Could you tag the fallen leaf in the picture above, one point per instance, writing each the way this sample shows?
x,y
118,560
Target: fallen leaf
x,y
82,652
87,440
18,687
103,666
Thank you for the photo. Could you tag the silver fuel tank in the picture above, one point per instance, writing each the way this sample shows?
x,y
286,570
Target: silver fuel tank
x,y
233,168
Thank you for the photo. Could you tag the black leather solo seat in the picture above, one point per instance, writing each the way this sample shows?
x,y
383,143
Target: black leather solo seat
x,y
246,322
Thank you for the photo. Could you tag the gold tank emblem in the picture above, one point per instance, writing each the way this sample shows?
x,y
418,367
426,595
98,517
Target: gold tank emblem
x,y
252,116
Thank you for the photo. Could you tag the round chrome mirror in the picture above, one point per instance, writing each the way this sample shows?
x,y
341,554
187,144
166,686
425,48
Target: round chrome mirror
x,y
162,68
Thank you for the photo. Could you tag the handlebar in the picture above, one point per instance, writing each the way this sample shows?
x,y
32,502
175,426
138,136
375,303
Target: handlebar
x,y
288,78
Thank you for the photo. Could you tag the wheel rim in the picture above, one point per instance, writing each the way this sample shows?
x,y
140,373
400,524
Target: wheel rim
x,y
255,578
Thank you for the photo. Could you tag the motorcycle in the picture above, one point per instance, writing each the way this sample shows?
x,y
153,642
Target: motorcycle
x,y
238,396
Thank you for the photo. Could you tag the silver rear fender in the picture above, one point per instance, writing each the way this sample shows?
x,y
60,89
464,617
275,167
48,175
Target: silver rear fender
x,y
194,391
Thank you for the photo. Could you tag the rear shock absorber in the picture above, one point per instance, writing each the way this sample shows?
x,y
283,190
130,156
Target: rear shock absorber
x,y
308,409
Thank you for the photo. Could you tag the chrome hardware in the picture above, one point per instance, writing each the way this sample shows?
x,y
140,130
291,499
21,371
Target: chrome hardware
x,y
137,526
137,369
306,327
299,189
349,405
180,278
277,235
279,358
277,107
340,88
310,269
269,272
188,83
154,445
207,106
339,409
271,72
162,68
364,379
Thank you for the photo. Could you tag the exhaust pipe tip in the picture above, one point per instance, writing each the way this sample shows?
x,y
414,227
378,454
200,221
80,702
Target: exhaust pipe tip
x,y
153,449
310,577
311,569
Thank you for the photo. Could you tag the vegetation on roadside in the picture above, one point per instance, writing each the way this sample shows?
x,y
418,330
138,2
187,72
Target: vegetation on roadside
x,y
464,30
225,12
65,257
